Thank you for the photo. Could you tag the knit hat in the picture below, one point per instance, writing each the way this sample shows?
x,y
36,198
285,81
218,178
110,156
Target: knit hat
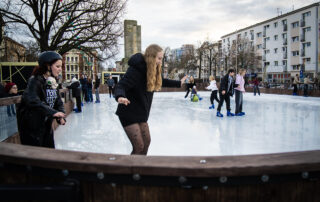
x,y
9,86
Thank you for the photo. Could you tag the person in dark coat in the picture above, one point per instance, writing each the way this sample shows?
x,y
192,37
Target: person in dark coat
x,y
84,87
226,90
76,93
110,85
134,93
96,89
41,103
189,86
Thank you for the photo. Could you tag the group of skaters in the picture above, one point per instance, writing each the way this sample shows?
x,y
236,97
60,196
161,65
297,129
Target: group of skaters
x,y
230,84
306,81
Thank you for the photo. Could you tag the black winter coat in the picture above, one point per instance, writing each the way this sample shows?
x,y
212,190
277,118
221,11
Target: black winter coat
x,y
224,85
97,84
133,86
76,92
35,116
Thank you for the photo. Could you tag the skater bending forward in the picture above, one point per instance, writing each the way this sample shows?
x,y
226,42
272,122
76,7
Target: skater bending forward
x,y
134,94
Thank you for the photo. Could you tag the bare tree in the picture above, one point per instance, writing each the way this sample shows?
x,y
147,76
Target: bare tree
x,y
243,55
32,51
64,25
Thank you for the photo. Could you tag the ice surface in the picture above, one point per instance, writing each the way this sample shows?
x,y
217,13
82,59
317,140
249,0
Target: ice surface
x,y
179,127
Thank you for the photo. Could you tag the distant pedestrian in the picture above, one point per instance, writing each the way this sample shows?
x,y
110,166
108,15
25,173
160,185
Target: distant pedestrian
x,y
110,85
96,89
89,84
256,86
295,84
306,83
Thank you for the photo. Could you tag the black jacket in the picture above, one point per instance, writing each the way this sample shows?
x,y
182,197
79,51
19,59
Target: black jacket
x,y
35,98
97,84
133,86
224,85
76,92
190,85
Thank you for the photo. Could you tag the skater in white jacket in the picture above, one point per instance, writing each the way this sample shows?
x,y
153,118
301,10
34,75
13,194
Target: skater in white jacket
x,y
214,94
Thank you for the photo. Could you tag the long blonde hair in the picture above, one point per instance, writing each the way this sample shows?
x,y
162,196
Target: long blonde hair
x,y
154,79
241,71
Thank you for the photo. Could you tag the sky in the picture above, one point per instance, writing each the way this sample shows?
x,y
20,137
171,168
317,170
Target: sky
x,y
172,23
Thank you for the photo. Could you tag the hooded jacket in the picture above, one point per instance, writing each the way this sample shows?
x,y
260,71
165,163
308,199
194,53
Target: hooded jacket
x,y
224,85
133,86
75,86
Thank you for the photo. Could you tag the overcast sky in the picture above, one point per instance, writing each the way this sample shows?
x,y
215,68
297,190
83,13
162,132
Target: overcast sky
x,y
176,22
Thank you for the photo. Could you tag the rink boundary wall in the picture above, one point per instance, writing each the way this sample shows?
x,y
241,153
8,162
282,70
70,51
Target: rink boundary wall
x,y
201,86
28,172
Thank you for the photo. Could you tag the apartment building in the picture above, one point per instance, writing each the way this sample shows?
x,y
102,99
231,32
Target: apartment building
x,y
285,45
78,63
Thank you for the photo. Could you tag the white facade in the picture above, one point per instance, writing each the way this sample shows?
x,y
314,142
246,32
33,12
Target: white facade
x,y
287,43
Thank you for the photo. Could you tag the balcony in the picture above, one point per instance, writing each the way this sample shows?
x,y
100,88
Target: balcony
x,y
264,46
303,52
264,33
285,42
302,23
285,55
303,38
285,28
285,68
302,67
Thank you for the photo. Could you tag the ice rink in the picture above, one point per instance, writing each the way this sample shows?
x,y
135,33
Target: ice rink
x,y
179,127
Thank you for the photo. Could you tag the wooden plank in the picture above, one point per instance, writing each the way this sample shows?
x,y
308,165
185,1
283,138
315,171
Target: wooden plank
x,y
10,100
161,165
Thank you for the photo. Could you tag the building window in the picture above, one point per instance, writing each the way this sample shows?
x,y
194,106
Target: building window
x,y
295,53
284,62
284,36
284,49
267,51
77,76
259,34
308,44
275,63
268,38
224,40
68,68
307,29
276,37
295,39
76,68
259,46
76,59
68,76
275,50
275,24
295,67
71,59
307,60
68,59
284,22
72,68
306,14
295,24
